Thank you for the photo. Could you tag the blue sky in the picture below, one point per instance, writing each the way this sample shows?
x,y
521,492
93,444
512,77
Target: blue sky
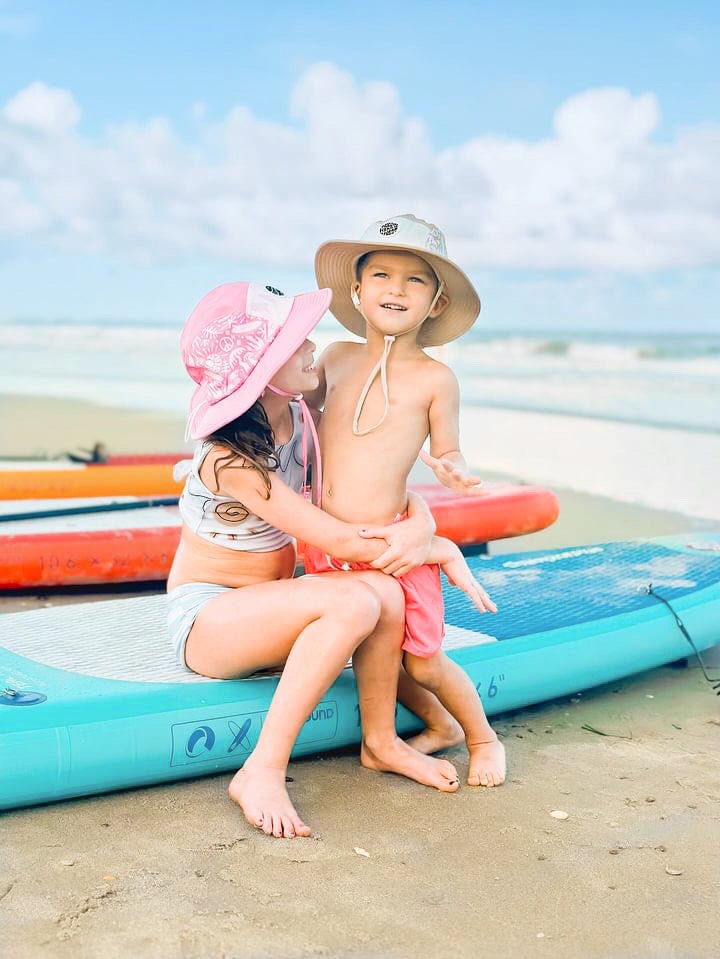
x,y
481,79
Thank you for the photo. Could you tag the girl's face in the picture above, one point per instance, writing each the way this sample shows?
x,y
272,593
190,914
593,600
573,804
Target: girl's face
x,y
396,290
298,374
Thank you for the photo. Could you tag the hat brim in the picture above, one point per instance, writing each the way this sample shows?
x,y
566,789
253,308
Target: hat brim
x,y
335,268
307,311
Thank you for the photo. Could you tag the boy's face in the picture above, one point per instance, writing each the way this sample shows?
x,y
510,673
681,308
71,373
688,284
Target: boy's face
x,y
396,290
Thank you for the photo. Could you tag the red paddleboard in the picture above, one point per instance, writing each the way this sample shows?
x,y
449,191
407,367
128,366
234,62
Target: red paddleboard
x,y
133,545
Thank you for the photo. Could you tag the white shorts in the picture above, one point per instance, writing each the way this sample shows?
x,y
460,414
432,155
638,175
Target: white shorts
x,y
184,604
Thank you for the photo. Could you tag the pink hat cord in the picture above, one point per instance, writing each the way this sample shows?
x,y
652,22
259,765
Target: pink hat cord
x,y
308,423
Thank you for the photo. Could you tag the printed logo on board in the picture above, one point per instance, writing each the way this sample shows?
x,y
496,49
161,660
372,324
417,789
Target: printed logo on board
x,y
201,740
240,736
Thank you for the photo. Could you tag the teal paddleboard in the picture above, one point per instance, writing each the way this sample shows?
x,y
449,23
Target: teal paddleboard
x,y
91,698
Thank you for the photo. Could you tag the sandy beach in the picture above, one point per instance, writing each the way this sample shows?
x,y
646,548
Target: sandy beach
x,y
174,871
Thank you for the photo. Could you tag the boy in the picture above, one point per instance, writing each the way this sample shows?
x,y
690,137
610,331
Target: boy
x,y
397,289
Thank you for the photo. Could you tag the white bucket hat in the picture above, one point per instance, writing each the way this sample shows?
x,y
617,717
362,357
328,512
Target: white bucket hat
x,y
336,261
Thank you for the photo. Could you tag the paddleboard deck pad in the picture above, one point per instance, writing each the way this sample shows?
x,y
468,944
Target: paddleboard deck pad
x,y
92,699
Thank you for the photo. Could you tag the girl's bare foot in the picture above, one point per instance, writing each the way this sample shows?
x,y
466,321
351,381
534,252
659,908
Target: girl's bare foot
x,y
434,738
487,763
261,794
397,757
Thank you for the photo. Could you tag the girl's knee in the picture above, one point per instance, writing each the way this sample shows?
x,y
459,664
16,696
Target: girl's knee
x,y
390,594
358,605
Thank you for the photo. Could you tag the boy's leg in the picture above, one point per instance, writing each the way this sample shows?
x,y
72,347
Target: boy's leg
x,y
454,689
376,663
441,730
424,631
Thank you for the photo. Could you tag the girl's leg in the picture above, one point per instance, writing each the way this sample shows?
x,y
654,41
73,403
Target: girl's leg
x,y
376,663
311,624
454,688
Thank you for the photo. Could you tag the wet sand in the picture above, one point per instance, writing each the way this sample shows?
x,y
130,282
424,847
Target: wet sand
x,y
175,871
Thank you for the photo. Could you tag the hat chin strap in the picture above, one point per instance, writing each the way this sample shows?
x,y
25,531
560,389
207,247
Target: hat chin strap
x,y
381,368
308,423
191,419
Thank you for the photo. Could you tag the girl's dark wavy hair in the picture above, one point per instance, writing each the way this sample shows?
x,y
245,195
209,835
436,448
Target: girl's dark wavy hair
x,y
250,439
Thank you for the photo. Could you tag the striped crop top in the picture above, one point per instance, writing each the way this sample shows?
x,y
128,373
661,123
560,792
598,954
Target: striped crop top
x,y
222,520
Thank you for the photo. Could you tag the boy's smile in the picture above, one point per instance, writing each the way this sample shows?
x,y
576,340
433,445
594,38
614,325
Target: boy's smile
x,y
396,291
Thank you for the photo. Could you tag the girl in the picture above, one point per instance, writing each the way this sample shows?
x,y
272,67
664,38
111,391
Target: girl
x,y
234,607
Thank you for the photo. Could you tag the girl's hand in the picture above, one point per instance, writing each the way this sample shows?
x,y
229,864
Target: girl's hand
x,y
408,546
459,574
451,475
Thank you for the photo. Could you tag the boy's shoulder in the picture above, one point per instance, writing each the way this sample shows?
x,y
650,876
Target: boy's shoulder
x,y
440,373
339,351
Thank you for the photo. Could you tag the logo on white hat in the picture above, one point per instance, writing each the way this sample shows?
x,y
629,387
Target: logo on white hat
x,y
387,229
435,241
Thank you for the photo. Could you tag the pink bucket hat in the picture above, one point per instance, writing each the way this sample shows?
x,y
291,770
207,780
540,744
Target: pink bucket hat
x,y
235,341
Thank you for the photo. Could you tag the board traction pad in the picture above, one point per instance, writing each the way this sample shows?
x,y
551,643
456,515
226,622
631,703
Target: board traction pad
x,y
128,639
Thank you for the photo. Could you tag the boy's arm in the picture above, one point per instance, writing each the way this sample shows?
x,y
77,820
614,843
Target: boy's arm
x,y
452,562
445,459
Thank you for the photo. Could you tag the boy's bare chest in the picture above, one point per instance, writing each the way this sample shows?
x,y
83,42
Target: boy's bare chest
x,y
408,395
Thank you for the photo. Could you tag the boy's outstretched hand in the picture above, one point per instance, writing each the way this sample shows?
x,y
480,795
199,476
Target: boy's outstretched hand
x,y
450,474
459,574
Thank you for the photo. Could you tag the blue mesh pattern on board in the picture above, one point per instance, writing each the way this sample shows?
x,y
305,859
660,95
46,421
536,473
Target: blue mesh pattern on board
x,y
535,592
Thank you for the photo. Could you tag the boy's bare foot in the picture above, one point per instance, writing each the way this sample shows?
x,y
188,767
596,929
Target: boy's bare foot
x,y
261,794
487,763
434,738
397,757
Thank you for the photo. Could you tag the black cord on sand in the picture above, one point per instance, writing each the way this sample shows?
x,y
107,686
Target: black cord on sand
x,y
714,681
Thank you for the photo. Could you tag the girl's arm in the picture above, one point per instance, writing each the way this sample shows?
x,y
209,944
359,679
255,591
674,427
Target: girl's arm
x,y
408,541
292,513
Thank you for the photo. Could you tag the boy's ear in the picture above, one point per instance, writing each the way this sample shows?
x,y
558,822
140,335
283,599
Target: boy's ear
x,y
355,295
443,301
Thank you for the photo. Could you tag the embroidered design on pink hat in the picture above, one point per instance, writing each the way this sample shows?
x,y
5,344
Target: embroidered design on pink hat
x,y
228,350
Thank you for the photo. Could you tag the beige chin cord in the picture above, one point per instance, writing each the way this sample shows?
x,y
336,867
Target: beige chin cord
x,y
381,367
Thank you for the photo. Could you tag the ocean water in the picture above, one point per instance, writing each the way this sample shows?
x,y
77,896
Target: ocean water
x,y
636,418
671,380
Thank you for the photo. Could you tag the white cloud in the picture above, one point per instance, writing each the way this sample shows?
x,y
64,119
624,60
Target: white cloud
x,y
43,109
598,193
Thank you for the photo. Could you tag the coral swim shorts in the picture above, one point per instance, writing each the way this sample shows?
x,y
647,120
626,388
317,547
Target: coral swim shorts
x,y
424,607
